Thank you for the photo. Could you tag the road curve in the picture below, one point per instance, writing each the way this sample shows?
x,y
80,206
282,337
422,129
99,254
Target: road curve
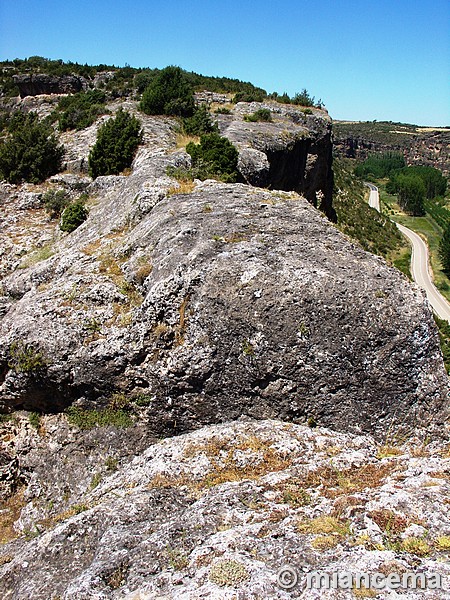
x,y
374,199
419,263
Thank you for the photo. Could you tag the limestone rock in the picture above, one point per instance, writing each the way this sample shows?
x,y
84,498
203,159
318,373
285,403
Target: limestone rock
x,y
292,152
40,83
218,512
225,301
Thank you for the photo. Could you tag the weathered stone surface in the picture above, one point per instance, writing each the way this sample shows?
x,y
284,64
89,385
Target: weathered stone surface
x,y
292,152
252,304
40,83
217,512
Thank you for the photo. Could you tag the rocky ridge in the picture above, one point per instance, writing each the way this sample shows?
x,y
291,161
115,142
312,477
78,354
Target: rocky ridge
x,y
177,306
311,327
419,145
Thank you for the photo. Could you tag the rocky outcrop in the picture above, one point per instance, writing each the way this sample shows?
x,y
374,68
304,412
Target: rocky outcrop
x,y
224,301
180,305
40,83
293,152
218,513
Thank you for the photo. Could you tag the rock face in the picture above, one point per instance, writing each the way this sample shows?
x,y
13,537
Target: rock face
x,y
225,301
218,512
39,83
419,145
293,152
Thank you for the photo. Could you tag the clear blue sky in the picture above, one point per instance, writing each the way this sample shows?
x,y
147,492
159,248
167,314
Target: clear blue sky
x,y
366,59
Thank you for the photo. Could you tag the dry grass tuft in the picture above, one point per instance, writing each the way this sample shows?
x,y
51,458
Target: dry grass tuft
x,y
225,468
355,479
364,592
185,186
324,524
388,450
389,521
143,272
10,511
182,140
416,546
442,543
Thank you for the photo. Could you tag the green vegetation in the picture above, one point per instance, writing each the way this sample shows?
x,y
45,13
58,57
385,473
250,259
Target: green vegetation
x,y
413,185
74,215
169,93
25,358
302,98
439,213
80,110
434,183
30,151
116,145
380,165
410,190
35,419
249,96
200,123
444,249
427,227
215,156
55,201
374,231
90,418
262,114
444,337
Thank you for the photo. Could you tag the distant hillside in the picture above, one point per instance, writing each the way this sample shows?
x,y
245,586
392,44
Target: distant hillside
x,y
419,145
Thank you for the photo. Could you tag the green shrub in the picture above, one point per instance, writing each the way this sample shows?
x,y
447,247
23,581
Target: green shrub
x,y
215,156
169,93
250,96
303,99
142,80
55,201
200,123
262,114
116,145
25,358
72,217
380,165
34,419
30,152
80,110
88,419
223,111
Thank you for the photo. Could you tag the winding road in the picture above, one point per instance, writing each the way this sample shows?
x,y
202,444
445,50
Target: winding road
x,y
419,262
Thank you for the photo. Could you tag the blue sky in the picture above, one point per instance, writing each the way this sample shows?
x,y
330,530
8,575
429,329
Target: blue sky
x,y
366,59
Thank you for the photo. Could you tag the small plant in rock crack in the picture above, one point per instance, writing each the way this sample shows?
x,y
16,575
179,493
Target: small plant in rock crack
x,y
25,358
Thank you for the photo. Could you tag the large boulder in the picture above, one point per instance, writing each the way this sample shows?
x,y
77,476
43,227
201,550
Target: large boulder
x,y
224,301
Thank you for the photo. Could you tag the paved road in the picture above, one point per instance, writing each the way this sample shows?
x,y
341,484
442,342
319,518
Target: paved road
x,y
374,199
419,263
